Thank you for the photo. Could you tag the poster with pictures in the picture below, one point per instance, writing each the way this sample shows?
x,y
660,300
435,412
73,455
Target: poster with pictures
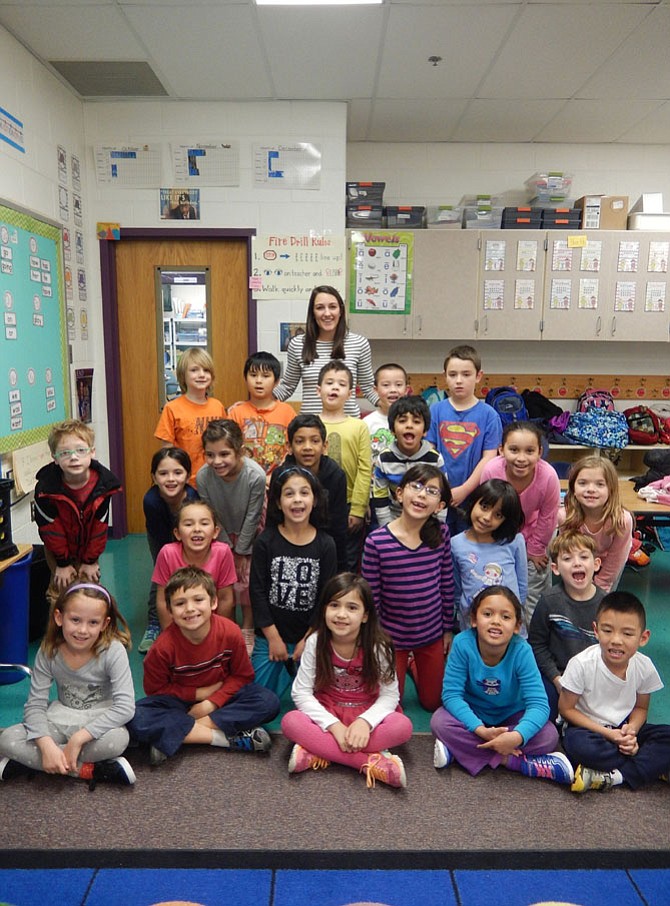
x,y
524,294
81,284
628,260
76,173
79,246
561,258
561,294
654,299
526,255
83,323
77,210
624,295
61,155
381,269
71,321
69,286
63,203
592,255
658,257
494,255
67,245
588,292
494,295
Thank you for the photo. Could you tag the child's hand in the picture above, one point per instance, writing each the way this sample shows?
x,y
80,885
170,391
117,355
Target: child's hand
x,y
457,496
447,639
508,742
242,566
339,731
277,650
488,733
358,734
202,709
64,576
72,749
628,744
298,650
203,692
89,572
540,560
54,760
355,523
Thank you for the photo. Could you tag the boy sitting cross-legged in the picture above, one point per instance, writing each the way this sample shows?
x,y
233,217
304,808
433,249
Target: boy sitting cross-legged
x,y
199,679
605,702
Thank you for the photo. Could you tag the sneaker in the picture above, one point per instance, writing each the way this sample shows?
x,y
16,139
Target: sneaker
x,y
151,633
256,740
9,769
386,767
302,760
156,757
590,779
249,637
441,755
115,770
554,766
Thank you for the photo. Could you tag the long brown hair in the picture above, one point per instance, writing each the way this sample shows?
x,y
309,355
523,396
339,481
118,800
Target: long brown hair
x,y
117,628
376,645
613,514
312,329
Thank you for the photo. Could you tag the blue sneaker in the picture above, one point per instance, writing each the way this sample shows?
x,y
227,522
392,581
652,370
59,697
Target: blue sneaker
x,y
441,755
554,766
150,635
256,740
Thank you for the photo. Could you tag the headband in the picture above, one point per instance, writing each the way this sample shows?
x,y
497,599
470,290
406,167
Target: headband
x,y
94,587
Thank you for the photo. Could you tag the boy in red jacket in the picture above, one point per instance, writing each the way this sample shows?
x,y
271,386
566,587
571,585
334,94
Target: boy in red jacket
x,y
199,679
72,498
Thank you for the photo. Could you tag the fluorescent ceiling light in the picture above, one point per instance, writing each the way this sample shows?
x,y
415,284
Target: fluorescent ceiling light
x,y
318,2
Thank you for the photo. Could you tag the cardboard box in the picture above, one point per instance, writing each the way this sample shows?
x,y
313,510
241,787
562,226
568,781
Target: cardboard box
x,y
603,212
649,203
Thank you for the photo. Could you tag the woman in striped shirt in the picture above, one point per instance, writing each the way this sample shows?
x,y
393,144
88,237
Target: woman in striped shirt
x,y
408,566
326,337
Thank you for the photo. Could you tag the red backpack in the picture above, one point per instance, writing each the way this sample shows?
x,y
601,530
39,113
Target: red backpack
x,y
644,426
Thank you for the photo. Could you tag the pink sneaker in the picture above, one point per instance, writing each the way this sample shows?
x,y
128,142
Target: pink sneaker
x,y
302,760
249,637
386,767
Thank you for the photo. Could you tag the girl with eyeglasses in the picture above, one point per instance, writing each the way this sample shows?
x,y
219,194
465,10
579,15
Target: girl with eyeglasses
x,y
408,565
292,560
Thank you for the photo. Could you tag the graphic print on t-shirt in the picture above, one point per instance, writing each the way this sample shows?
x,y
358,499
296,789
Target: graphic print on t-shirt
x,y
457,437
295,582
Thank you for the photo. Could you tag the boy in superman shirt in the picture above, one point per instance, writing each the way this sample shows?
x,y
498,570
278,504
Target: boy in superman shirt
x,y
199,679
465,430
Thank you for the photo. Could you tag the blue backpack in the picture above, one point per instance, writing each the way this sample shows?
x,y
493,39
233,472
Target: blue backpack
x,y
509,404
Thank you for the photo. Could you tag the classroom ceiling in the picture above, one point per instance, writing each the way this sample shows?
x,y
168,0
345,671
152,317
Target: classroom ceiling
x,y
555,71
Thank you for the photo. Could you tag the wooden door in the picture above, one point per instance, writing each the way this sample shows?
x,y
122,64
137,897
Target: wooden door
x,y
138,342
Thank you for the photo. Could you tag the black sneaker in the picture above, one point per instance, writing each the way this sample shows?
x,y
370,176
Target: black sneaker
x,y
256,740
156,757
115,770
9,769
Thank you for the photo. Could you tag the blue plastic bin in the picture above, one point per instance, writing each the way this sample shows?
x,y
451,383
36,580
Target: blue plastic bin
x,y
14,612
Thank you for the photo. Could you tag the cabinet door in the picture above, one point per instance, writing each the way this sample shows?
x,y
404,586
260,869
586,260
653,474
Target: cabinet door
x,y
445,284
511,269
639,287
578,292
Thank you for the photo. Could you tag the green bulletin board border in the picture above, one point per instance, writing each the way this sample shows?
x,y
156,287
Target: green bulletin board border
x,y
21,218
381,239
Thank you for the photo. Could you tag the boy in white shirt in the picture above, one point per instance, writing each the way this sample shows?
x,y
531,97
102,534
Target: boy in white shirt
x,y
391,385
605,701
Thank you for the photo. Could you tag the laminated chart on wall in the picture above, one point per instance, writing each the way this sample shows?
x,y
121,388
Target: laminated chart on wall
x,y
526,255
561,257
381,266
289,266
34,391
295,166
592,255
494,295
206,164
654,299
624,295
561,294
628,260
524,294
130,166
588,292
658,257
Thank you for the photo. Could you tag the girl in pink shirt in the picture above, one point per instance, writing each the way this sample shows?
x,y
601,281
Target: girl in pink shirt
x,y
536,482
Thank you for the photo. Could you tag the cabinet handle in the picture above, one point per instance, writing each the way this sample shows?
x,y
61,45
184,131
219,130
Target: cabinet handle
x,y
404,326
477,326
485,324
599,324
613,325
419,324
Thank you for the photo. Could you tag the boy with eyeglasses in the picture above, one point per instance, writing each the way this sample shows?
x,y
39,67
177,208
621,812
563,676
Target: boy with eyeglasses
x,y
72,498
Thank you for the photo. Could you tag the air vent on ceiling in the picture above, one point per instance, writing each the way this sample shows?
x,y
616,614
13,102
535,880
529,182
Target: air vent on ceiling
x,y
103,78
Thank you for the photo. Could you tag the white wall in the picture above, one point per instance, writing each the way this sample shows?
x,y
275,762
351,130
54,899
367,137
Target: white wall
x,y
434,173
52,116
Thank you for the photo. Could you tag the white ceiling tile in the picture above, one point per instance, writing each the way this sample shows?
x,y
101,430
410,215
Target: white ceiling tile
x,y
630,72
415,120
358,117
73,33
465,39
323,53
553,50
651,129
594,121
505,120
220,59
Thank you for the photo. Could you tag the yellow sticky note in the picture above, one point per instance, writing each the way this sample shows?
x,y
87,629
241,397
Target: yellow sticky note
x,y
577,242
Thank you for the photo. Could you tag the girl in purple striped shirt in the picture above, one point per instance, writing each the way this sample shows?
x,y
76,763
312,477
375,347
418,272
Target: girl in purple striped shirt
x,y
408,566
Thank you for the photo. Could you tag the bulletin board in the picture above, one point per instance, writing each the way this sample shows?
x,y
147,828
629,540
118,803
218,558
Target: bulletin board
x,y
34,378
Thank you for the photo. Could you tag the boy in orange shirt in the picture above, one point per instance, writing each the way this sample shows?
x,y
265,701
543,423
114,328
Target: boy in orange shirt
x,y
263,420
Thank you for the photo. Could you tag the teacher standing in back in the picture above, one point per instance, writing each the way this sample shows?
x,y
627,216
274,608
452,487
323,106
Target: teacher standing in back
x,y
326,337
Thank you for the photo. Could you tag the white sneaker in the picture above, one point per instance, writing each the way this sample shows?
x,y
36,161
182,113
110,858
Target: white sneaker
x,y
441,755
